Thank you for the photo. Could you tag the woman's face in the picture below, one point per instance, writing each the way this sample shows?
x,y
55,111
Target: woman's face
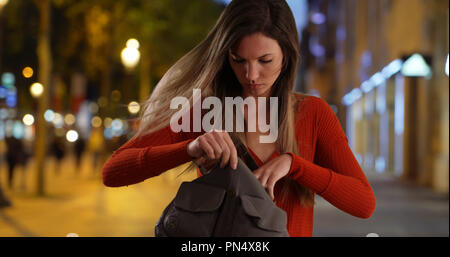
x,y
256,62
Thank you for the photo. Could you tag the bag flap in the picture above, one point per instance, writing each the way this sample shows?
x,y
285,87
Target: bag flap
x,y
267,215
198,197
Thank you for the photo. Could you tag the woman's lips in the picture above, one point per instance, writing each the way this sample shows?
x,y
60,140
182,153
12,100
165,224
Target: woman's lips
x,y
255,86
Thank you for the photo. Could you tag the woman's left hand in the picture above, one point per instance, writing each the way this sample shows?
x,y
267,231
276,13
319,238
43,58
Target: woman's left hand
x,y
272,171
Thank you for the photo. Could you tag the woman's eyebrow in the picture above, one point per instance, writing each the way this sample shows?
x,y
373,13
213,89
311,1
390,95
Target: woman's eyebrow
x,y
235,54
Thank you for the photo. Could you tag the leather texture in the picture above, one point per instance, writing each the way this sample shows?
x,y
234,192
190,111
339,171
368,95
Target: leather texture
x,y
223,203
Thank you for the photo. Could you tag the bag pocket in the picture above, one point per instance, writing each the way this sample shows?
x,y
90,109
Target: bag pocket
x,y
265,215
194,211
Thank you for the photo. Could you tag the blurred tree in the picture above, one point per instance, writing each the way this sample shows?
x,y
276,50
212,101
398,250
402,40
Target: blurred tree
x,y
167,29
87,36
44,74
84,42
19,47
98,30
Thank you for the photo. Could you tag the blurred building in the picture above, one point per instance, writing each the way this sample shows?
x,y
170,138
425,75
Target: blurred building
x,y
394,105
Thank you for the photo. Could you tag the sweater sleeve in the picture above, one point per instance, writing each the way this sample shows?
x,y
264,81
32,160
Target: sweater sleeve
x,y
335,174
146,156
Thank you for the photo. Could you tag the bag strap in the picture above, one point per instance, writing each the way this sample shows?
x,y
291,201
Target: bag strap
x,y
246,156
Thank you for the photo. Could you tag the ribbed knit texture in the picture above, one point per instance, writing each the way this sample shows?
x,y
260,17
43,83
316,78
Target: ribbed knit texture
x,y
326,164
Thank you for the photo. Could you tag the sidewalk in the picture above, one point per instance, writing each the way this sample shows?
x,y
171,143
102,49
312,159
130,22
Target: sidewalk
x,y
81,204
402,209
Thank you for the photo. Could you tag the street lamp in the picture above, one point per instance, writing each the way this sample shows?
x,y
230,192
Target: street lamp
x,y
130,55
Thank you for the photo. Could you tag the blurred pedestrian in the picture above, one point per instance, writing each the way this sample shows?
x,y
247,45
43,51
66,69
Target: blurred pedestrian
x,y
80,145
14,156
57,148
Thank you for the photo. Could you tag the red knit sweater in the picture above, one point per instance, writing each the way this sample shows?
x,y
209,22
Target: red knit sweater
x,y
326,164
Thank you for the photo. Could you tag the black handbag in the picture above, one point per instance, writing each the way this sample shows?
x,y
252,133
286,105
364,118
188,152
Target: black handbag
x,y
223,203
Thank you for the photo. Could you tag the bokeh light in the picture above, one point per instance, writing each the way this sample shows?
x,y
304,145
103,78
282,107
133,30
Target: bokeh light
x,y
58,120
133,43
69,119
27,72
96,122
107,122
28,119
133,107
93,107
49,115
72,136
36,89
130,57
3,3
446,66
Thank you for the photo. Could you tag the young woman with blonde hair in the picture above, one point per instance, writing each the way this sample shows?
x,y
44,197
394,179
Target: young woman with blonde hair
x,y
251,52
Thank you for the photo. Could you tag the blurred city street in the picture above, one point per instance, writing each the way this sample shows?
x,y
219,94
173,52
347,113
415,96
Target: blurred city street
x,y
79,203
402,209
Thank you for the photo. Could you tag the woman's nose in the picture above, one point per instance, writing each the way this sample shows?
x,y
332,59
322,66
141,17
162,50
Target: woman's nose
x,y
251,73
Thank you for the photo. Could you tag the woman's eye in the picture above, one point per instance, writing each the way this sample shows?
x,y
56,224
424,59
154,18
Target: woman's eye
x,y
268,61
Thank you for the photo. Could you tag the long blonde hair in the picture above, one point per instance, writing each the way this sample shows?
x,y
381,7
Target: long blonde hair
x,y
206,67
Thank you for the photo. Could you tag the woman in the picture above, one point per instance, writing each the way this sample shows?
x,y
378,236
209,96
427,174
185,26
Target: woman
x,y
252,51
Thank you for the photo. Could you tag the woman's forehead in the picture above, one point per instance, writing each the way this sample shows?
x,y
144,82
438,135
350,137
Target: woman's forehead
x,y
255,46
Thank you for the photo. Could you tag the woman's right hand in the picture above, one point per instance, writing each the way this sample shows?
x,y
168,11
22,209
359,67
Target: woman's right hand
x,y
214,145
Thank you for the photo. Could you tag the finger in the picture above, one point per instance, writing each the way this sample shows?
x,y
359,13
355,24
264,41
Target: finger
x,y
270,186
263,178
270,189
257,172
225,155
233,151
206,147
212,140
225,149
200,161
261,175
